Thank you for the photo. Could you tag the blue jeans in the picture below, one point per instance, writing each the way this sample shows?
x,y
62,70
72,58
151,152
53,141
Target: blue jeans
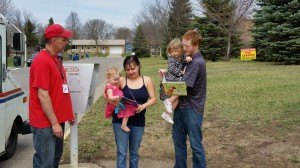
x,y
48,148
134,139
188,122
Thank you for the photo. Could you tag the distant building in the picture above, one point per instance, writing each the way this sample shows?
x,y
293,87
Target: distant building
x,y
103,46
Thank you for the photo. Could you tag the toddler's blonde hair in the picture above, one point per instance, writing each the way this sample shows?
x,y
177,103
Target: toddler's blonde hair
x,y
111,72
175,45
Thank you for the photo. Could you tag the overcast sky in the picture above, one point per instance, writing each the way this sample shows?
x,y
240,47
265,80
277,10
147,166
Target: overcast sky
x,y
117,12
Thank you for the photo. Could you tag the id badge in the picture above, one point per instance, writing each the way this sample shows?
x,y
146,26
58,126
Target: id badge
x,y
65,88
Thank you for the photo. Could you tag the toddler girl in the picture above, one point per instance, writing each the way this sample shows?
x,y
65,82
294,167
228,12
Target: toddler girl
x,y
115,95
176,67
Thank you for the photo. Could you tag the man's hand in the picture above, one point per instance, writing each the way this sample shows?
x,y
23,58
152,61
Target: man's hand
x,y
71,122
57,130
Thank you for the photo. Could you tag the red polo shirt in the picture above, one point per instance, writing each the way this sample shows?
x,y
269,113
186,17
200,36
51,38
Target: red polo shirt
x,y
47,73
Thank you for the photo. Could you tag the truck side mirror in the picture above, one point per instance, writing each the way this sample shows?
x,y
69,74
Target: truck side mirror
x,y
18,42
18,61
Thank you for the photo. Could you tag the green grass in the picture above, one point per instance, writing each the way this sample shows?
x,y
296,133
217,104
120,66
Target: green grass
x,y
10,61
258,93
248,103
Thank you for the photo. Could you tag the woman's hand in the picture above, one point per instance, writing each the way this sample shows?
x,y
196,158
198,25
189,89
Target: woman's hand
x,y
140,108
161,72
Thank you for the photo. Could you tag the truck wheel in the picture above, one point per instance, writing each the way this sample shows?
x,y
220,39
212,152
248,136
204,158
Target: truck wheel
x,y
11,145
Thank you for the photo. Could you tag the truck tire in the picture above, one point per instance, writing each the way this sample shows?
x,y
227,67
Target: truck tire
x,y
11,145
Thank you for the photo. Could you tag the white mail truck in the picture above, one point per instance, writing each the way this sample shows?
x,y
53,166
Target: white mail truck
x,y
13,100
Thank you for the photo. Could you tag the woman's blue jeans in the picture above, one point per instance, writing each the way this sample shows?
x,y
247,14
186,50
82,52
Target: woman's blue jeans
x,y
48,148
188,123
123,139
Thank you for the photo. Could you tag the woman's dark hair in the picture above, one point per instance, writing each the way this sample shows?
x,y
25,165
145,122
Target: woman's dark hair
x,y
132,60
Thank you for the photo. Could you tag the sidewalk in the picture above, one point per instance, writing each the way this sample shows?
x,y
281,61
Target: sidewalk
x,y
114,56
80,165
143,163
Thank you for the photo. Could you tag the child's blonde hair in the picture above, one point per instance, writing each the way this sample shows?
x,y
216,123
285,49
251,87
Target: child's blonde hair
x,y
175,45
111,72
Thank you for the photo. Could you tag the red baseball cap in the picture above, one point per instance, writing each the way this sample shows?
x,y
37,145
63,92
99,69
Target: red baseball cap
x,y
57,30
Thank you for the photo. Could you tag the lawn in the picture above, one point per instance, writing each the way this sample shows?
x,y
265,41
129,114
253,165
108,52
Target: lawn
x,y
252,118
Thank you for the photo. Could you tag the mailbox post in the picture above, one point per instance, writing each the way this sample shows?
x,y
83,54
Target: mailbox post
x,y
82,79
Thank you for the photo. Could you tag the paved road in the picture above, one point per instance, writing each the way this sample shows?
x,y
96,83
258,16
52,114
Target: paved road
x,y
25,150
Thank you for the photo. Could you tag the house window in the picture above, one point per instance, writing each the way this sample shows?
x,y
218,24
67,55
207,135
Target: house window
x,y
74,47
88,47
81,47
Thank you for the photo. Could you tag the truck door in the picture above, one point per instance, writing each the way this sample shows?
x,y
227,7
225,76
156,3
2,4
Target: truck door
x,y
2,104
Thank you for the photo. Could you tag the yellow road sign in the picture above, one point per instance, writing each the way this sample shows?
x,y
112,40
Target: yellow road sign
x,y
248,54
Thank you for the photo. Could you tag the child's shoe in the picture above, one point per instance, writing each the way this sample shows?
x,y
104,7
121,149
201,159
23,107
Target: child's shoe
x,y
168,105
167,117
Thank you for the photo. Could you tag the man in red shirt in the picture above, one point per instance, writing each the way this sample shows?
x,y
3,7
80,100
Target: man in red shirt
x,y
50,102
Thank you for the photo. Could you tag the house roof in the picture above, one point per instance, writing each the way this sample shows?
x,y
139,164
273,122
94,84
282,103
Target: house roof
x,y
100,42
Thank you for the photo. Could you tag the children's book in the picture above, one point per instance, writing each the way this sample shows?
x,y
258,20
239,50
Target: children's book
x,y
129,101
175,88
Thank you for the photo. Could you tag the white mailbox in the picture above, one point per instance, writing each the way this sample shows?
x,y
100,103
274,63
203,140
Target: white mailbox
x,y
82,79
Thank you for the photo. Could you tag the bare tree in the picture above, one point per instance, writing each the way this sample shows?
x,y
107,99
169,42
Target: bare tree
x,y
20,18
123,33
97,29
40,29
73,23
153,18
107,32
228,14
7,9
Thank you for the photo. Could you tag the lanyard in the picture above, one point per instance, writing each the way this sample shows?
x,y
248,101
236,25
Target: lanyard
x,y
58,65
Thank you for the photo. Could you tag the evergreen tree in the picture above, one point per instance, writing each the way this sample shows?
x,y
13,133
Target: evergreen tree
x,y
227,14
179,21
276,31
51,21
214,44
140,46
43,40
32,39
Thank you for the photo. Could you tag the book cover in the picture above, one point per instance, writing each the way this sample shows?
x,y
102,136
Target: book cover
x,y
129,101
175,88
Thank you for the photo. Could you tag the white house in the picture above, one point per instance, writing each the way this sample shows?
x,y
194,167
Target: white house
x,y
103,46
